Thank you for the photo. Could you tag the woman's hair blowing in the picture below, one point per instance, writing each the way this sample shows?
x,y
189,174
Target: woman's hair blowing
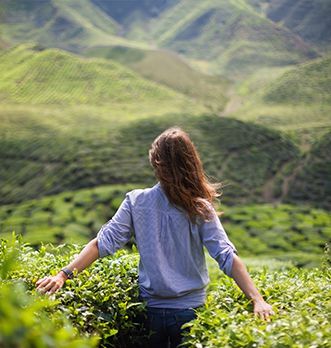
x,y
179,169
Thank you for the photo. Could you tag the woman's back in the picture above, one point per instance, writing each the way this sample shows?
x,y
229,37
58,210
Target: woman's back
x,y
172,269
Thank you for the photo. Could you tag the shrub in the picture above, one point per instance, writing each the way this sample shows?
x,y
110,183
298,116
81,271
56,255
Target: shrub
x,y
300,298
101,301
24,318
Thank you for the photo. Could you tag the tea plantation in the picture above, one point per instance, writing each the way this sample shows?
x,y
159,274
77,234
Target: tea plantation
x,y
101,305
282,230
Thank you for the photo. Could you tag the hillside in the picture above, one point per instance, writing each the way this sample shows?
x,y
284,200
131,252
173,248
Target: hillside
x,y
309,83
309,19
221,37
297,101
65,24
91,152
32,75
126,12
313,182
169,69
230,35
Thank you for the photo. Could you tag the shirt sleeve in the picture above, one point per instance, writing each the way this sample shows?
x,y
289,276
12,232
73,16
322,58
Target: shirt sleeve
x,y
218,244
115,233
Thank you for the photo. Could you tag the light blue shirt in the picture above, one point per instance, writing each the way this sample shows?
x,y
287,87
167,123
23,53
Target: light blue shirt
x,y
172,267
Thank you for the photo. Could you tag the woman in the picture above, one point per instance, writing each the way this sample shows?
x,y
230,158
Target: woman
x,y
171,222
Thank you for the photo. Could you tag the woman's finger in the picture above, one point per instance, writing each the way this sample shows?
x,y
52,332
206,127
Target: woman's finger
x,y
50,285
54,289
43,283
40,280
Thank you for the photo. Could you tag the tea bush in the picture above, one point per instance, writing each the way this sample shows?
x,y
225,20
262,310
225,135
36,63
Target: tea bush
x,y
255,229
300,298
24,318
102,302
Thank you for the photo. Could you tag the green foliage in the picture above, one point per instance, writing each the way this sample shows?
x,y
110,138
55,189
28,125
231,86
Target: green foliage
x,y
313,181
25,318
300,299
102,301
293,232
70,217
101,304
275,229
306,84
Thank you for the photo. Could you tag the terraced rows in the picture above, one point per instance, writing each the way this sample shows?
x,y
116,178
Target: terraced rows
x,y
76,216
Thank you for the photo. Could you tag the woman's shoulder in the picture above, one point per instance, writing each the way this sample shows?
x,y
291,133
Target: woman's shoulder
x,y
144,194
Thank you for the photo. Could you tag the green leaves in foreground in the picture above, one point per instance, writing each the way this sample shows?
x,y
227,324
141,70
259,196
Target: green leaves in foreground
x,y
25,318
301,299
103,302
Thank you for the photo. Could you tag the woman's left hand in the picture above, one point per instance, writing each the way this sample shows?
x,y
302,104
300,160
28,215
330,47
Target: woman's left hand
x,y
263,309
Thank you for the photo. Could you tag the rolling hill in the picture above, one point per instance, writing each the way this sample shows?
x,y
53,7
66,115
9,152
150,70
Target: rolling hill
x,y
64,24
70,122
309,19
297,102
308,83
230,35
313,182
55,106
223,37
33,75
169,69
49,160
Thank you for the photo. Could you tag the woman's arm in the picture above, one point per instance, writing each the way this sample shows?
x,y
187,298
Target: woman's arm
x,y
86,257
245,283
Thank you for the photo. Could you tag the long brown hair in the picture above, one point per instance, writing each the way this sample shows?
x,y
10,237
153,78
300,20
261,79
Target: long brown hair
x,y
179,169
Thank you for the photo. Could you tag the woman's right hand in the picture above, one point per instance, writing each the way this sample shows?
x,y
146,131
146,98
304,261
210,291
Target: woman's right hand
x,y
50,284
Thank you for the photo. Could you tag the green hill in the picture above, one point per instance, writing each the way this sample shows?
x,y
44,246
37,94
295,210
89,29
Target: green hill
x,y
230,35
297,101
169,69
126,12
309,19
32,75
308,83
50,160
222,37
313,182
69,24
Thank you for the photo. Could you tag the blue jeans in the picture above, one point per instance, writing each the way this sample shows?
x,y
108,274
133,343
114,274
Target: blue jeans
x,y
165,325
